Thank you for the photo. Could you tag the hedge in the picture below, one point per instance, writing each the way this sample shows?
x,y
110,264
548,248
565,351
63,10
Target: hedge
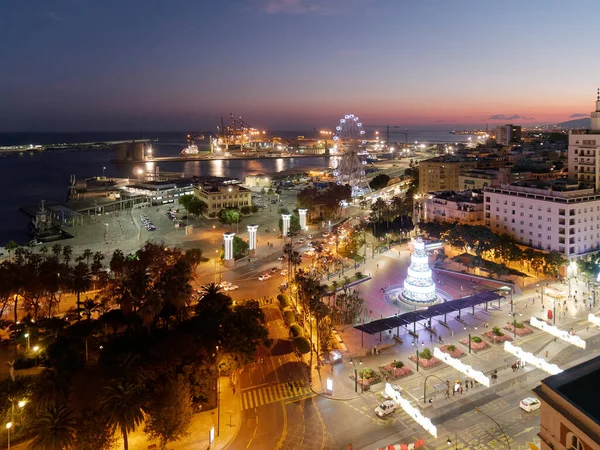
x,y
284,300
302,344
289,316
296,330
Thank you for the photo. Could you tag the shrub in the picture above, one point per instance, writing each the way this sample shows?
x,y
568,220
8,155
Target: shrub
x,y
289,316
476,339
296,330
302,344
254,209
398,364
497,331
519,325
284,300
212,215
451,348
245,210
359,275
24,363
367,373
426,354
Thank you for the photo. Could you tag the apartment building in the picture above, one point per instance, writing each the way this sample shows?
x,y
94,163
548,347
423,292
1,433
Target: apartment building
x,y
584,152
442,173
549,216
455,207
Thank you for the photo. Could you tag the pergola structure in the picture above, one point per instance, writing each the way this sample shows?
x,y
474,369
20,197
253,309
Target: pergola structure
x,y
441,309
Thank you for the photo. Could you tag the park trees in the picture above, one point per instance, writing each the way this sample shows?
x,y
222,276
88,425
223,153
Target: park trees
x,y
193,205
379,182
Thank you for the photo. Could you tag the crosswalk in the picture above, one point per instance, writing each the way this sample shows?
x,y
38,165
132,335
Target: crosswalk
x,y
252,398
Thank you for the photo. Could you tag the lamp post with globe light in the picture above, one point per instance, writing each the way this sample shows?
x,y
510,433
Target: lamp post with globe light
x,y
8,427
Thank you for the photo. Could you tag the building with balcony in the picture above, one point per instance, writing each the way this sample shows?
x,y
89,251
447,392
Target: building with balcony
x,y
482,178
548,216
570,412
456,207
219,196
442,173
584,152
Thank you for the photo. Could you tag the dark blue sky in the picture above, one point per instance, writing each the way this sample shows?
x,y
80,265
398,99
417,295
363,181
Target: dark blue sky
x,y
181,64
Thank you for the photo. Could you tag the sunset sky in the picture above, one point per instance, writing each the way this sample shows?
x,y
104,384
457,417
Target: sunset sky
x,y
181,64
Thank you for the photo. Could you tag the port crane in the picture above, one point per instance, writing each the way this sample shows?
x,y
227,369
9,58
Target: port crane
x,y
239,132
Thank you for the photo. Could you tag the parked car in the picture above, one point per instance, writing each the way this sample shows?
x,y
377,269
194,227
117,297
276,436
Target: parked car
x,y
264,276
386,408
283,273
281,258
529,404
274,269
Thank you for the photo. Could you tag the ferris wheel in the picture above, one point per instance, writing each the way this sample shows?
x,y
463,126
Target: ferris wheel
x,y
349,141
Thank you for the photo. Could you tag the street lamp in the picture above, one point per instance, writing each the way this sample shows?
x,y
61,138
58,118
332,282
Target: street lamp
x,y
514,315
470,329
27,337
449,441
478,411
417,351
103,171
8,427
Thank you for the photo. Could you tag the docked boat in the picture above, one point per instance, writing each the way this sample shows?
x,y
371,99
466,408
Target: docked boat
x,y
41,227
190,150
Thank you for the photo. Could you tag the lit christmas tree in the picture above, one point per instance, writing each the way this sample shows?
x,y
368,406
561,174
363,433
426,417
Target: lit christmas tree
x,y
419,286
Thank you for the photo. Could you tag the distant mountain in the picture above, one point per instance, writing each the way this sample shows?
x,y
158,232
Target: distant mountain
x,y
576,123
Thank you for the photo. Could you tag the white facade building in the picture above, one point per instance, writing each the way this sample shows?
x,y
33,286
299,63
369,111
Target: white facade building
x,y
567,220
584,152
460,207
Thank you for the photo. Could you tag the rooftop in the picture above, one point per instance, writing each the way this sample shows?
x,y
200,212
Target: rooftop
x,y
473,196
574,385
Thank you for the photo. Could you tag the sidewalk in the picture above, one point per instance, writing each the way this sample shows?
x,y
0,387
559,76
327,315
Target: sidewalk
x,y
359,352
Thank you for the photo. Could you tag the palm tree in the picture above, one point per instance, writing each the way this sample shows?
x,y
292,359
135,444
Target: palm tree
x,y
80,281
10,246
123,406
295,259
67,252
87,254
50,390
54,429
57,250
44,250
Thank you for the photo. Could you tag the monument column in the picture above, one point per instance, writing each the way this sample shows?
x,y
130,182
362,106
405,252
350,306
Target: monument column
x,y
302,214
252,239
285,228
228,244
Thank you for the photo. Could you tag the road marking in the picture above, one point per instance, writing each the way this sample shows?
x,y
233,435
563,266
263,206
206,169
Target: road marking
x,y
275,392
255,430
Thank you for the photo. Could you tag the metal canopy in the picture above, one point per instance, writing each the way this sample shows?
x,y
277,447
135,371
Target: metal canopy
x,y
440,309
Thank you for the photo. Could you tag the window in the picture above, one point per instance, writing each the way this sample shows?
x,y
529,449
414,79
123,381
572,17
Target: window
x,y
574,443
